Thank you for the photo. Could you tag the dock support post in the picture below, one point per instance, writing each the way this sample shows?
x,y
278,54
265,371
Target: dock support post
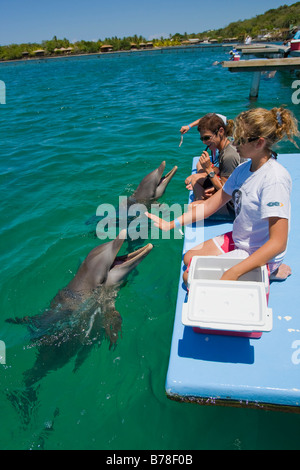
x,y
255,85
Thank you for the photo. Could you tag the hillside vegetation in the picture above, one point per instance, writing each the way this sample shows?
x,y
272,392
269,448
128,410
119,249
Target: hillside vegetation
x,y
276,21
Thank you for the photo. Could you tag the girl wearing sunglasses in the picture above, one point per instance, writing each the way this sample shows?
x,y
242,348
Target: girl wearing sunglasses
x,y
260,189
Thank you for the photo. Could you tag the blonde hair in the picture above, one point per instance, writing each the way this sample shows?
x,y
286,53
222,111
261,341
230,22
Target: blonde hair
x,y
213,122
273,125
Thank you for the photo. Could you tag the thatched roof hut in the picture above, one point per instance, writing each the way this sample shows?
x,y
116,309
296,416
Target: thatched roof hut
x,y
63,50
230,40
106,48
39,52
146,45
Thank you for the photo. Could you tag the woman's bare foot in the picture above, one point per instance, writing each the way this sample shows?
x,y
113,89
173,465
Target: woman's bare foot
x,y
282,273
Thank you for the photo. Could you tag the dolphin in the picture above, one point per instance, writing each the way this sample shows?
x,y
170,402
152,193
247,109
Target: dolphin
x,y
82,313
153,185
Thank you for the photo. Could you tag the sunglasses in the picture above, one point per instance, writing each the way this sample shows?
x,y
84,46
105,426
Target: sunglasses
x,y
206,138
244,141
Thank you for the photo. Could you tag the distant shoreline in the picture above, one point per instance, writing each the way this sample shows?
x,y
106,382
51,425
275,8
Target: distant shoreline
x,y
103,54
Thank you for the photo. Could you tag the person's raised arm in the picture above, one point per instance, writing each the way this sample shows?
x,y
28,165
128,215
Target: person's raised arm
x,y
185,129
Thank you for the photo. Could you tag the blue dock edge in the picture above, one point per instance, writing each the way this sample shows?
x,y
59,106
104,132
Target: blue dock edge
x,y
223,370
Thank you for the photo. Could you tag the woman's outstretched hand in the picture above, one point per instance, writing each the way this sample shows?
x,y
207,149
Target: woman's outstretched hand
x,y
160,223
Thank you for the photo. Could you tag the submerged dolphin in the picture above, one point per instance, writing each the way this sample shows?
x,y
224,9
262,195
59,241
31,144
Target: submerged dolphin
x,y
82,313
153,185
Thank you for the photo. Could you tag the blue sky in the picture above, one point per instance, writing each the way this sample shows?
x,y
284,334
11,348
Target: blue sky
x,y
36,20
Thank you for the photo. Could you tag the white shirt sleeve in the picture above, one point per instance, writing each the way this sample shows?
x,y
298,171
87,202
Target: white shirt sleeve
x,y
275,201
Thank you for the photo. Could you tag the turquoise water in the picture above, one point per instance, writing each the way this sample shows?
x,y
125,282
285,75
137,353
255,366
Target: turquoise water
x,y
76,133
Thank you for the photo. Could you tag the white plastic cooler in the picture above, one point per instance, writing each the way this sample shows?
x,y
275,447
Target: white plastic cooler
x,y
227,307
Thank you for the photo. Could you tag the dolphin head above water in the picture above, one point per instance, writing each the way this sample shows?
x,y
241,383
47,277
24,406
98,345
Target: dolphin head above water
x,y
80,315
154,184
102,266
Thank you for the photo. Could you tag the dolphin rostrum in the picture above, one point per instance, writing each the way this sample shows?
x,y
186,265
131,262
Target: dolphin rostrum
x,y
82,313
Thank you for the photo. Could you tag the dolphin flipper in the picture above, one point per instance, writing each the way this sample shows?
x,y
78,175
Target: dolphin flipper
x,y
82,356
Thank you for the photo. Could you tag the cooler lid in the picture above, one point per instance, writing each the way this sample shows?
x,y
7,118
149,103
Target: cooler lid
x,y
227,305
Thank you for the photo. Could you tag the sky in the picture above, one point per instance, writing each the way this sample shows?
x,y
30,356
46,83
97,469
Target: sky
x,y
24,21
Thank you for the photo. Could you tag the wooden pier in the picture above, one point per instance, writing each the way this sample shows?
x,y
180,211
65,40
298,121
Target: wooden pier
x,y
263,50
257,66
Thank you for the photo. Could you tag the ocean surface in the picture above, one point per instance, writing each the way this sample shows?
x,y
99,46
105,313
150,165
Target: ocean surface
x,y
77,133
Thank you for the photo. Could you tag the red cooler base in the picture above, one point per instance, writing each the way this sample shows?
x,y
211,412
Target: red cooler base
x,y
203,331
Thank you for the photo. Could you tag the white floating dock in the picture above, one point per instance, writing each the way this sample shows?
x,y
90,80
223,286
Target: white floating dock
x,y
239,371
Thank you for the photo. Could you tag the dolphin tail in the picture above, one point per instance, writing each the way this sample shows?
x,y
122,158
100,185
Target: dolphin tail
x,y
18,321
24,402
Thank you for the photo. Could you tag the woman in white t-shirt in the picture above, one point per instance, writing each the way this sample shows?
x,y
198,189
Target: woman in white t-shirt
x,y
260,189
